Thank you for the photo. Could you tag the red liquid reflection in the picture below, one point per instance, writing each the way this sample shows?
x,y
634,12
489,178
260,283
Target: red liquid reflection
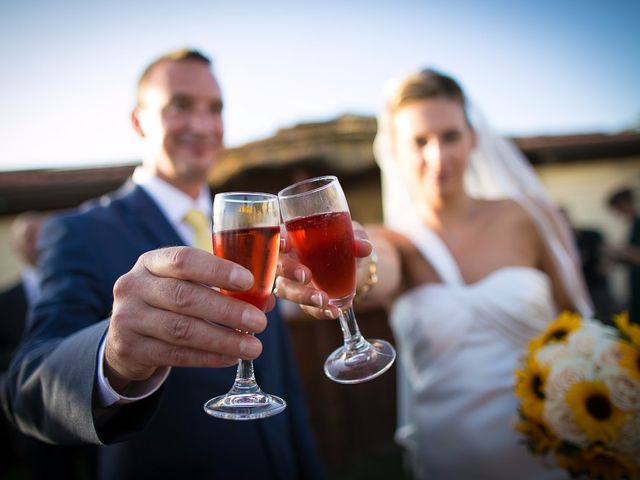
x,y
256,249
324,243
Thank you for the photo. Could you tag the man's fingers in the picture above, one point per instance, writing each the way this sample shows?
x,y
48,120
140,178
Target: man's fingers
x,y
193,300
151,353
197,266
193,333
271,303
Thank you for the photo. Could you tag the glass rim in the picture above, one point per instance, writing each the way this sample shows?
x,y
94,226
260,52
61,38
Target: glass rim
x,y
285,196
258,197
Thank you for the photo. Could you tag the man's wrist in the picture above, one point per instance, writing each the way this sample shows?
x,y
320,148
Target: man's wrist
x,y
114,389
117,382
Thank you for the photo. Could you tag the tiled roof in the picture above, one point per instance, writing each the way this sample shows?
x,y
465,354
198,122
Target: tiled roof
x,y
342,145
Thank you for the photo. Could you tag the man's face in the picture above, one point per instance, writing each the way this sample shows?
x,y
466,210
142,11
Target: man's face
x,y
179,117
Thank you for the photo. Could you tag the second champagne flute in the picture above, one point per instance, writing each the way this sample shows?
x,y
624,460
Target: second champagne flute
x,y
246,230
319,227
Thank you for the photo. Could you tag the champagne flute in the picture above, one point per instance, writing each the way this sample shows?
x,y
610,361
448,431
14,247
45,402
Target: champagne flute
x,y
246,230
319,227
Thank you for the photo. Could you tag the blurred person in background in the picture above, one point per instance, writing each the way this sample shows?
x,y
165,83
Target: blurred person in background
x,y
595,268
622,202
474,261
124,327
38,460
14,301
14,305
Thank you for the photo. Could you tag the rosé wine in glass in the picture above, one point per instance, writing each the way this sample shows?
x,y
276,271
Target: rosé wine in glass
x,y
256,249
246,230
313,236
316,216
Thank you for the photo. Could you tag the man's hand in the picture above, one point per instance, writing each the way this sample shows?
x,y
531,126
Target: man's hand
x,y
165,313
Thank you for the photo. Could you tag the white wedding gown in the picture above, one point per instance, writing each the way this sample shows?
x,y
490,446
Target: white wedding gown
x,y
459,346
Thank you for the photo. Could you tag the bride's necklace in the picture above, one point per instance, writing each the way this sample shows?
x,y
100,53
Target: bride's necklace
x,y
453,239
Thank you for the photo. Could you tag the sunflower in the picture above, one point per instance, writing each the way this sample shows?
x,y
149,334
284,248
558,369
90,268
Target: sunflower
x,y
598,462
557,331
539,437
594,411
530,387
629,330
630,360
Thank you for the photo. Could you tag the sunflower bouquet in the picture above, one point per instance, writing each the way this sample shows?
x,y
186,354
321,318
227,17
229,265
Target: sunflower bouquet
x,y
579,392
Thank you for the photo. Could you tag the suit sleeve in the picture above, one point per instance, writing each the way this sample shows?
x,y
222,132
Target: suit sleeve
x,y
49,391
13,305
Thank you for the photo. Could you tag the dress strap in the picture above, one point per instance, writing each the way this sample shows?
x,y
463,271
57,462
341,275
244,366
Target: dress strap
x,y
433,248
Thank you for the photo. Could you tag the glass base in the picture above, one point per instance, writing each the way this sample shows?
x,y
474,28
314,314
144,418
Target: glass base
x,y
244,406
369,360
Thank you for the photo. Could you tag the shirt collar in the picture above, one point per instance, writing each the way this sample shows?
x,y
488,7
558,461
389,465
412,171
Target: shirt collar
x,y
174,203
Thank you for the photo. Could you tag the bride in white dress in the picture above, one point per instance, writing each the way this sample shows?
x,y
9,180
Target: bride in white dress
x,y
486,264
473,262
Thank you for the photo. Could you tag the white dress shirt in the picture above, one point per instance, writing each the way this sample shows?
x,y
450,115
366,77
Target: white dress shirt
x,y
173,204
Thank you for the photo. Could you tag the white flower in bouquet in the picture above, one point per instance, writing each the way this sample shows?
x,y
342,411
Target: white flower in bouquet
x,y
609,356
624,390
553,353
591,338
559,416
566,372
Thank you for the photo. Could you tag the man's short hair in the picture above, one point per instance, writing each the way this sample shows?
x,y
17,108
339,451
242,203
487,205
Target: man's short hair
x,y
181,55
620,197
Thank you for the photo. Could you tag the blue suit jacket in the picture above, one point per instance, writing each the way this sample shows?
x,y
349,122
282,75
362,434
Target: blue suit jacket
x,y
13,313
51,392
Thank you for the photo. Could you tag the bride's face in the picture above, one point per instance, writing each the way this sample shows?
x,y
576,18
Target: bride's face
x,y
432,143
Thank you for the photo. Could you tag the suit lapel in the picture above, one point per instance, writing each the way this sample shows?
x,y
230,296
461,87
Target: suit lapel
x,y
148,217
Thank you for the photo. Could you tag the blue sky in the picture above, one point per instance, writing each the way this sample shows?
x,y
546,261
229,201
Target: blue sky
x,y
545,67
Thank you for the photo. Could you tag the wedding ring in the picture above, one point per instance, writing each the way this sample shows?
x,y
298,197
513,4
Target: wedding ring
x,y
275,291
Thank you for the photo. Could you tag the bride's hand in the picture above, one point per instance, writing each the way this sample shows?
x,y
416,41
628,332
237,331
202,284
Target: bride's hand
x,y
293,282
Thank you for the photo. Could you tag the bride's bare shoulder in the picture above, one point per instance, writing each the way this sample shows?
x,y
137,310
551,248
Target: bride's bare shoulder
x,y
509,213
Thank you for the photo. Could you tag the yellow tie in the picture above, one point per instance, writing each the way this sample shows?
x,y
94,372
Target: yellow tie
x,y
202,236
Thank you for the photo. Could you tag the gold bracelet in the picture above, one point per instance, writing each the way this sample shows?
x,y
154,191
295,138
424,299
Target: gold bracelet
x,y
362,292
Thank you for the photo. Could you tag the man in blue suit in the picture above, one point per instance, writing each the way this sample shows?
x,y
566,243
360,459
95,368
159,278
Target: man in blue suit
x,y
115,353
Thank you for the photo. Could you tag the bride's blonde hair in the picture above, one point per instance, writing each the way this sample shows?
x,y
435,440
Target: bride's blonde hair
x,y
424,85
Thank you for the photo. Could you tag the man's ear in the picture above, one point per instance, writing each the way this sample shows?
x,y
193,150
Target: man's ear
x,y
135,121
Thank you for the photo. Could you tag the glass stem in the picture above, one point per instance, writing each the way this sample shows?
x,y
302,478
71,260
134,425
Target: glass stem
x,y
353,340
245,378
245,374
